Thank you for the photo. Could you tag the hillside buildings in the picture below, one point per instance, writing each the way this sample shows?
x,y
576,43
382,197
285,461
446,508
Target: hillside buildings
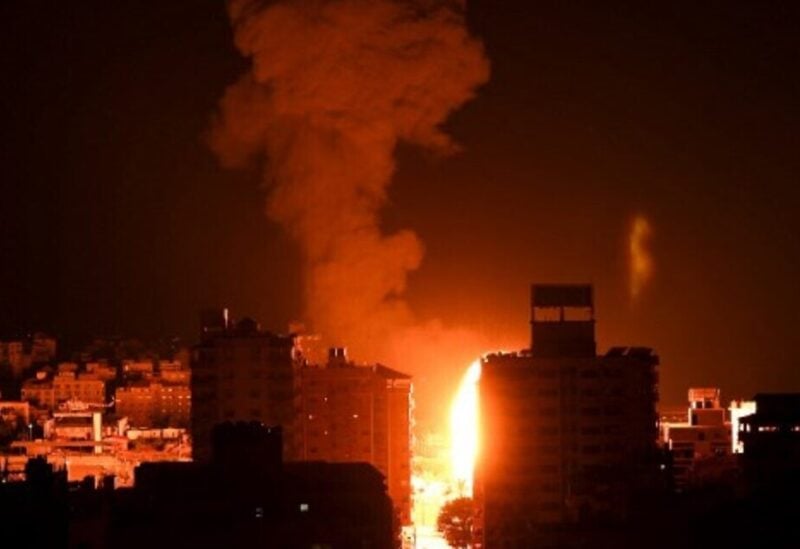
x,y
155,404
49,391
19,354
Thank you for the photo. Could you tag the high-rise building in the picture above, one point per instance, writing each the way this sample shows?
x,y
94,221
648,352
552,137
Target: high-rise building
x,y
568,435
242,373
352,413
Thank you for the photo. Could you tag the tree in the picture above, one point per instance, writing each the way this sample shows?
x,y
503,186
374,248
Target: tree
x,y
455,522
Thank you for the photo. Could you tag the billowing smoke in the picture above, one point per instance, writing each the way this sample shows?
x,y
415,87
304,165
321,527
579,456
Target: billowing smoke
x,y
334,87
641,259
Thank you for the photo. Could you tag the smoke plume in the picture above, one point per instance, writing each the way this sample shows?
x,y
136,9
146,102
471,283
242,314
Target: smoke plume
x,y
333,88
641,259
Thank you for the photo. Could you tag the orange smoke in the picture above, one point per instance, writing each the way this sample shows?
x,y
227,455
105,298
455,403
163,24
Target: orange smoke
x,y
641,259
334,86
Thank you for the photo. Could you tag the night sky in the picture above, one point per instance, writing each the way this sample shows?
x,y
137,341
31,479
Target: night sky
x,y
115,217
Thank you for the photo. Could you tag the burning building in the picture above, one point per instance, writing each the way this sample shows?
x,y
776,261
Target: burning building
x,y
569,435
352,413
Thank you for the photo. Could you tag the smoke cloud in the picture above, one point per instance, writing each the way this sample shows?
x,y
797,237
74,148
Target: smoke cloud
x,y
641,259
334,86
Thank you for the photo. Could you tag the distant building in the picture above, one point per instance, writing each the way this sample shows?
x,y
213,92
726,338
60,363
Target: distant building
x,y
20,354
154,404
43,348
78,425
133,368
241,373
136,401
569,435
15,411
703,434
13,354
48,392
353,413
102,370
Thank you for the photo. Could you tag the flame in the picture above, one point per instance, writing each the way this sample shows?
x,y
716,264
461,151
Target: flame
x,y
464,436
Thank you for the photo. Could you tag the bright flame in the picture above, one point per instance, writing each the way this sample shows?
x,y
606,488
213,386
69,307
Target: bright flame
x,y
464,430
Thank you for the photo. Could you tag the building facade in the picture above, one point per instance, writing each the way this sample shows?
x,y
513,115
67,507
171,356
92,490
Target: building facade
x,y
568,434
154,404
353,413
703,435
48,392
241,373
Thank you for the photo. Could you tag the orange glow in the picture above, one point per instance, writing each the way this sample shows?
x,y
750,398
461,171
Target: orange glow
x,y
641,260
464,436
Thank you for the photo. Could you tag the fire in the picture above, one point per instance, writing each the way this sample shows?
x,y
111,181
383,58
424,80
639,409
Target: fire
x,y
464,437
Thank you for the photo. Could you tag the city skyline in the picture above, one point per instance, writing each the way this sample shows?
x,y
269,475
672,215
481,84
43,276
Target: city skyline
x,y
399,273
130,227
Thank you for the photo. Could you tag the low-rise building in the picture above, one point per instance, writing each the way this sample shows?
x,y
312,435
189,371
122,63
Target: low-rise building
x,y
102,370
135,368
15,411
703,434
48,392
79,386
149,404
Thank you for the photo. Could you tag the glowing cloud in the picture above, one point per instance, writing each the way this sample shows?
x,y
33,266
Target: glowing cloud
x,y
641,260
333,88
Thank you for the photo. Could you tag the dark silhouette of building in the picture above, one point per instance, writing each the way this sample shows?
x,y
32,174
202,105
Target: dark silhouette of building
x,y
771,439
241,373
569,436
247,497
359,413
35,513
244,497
